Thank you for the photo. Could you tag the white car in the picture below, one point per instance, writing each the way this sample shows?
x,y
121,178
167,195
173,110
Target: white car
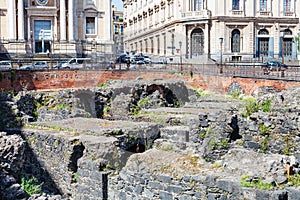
x,y
76,63
147,59
5,65
36,66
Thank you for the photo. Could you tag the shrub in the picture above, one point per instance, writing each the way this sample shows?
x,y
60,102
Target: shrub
x,y
294,180
265,106
264,130
102,85
235,93
258,183
250,107
264,144
31,185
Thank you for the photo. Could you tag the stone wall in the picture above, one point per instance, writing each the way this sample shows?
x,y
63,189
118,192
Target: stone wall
x,y
50,160
147,186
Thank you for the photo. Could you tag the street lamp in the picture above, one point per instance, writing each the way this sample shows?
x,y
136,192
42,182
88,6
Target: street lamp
x,y
180,45
221,54
172,42
282,33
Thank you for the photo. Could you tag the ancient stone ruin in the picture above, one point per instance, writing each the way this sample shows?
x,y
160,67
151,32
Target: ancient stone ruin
x,y
150,140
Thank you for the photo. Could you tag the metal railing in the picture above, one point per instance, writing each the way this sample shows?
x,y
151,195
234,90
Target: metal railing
x,y
292,73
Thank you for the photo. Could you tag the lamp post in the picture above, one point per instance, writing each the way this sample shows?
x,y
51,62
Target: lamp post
x,y
180,45
221,54
172,42
282,33
282,46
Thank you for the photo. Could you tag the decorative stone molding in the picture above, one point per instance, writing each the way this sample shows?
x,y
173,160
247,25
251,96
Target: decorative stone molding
x,y
140,17
150,11
145,14
156,8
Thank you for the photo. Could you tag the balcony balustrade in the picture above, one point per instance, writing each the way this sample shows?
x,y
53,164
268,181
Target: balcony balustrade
x,y
193,14
264,13
288,14
237,12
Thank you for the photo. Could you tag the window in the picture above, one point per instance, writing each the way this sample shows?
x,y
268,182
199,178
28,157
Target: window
x,y
235,4
197,46
286,5
198,5
90,25
263,5
116,29
263,43
287,43
235,41
122,29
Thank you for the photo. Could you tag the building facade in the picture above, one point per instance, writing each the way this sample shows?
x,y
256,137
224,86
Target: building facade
x,y
118,31
75,28
201,30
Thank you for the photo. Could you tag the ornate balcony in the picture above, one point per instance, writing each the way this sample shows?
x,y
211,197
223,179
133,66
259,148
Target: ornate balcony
x,y
196,14
288,14
237,12
265,13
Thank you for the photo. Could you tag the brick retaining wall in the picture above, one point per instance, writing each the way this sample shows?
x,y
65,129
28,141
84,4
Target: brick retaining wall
x,y
48,80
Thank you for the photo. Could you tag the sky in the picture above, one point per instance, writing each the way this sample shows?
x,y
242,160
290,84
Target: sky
x,y
119,4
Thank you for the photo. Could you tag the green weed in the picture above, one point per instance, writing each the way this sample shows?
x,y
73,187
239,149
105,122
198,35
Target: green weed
x,y
265,106
250,107
264,130
31,186
294,180
259,184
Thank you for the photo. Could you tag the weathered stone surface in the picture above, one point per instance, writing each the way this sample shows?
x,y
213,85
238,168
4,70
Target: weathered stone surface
x,y
12,149
206,145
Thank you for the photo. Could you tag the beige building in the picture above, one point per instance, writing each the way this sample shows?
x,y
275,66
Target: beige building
x,y
58,27
118,30
201,30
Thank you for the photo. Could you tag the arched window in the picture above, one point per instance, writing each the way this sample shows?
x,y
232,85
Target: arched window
x,y
235,4
197,43
235,40
286,5
263,5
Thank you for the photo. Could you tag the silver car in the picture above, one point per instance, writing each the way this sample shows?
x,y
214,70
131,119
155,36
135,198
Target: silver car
x,y
5,65
36,66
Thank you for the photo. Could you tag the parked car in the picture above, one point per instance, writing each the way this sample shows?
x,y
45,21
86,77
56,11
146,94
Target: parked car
x,y
60,63
5,65
147,59
122,58
273,64
76,63
36,66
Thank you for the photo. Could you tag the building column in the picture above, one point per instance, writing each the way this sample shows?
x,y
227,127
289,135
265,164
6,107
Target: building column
x,y
21,20
71,20
62,14
11,20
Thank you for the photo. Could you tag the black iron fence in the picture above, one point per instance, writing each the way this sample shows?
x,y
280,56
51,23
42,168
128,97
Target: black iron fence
x,y
292,73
